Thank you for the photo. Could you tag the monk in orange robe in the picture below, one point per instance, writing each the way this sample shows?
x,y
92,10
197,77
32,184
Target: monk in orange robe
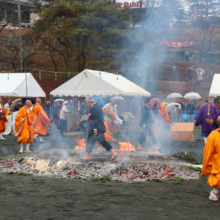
x,y
24,126
161,111
211,162
3,119
42,120
107,134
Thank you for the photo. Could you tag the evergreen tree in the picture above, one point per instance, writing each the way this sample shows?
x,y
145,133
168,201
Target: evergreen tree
x,y
87,34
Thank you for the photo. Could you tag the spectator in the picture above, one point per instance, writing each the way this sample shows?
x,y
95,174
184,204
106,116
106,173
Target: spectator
x,y
8,105
63,115
17,106
84,109
100,104
47,108
181,112
190,108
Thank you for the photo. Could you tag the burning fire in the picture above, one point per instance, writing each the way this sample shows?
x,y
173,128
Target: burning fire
x,y
126,146
81,144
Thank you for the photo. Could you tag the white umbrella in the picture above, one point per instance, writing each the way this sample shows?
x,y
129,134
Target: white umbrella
x,y
59,100
117,97
173,107
192,95
174,96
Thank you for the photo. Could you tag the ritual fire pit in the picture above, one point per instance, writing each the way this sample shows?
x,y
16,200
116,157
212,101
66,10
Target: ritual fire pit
x,y
130,166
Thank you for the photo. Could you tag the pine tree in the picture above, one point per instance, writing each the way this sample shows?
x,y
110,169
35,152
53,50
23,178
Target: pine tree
x,y
89,34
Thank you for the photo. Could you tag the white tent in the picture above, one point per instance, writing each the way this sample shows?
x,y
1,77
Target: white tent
x,y
16,85
215,88
97,83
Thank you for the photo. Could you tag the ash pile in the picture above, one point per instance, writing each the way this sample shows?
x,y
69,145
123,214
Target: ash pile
x,y
65,164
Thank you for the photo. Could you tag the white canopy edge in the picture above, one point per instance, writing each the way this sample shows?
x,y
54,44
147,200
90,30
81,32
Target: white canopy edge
x,y
14,84
98,83
215,86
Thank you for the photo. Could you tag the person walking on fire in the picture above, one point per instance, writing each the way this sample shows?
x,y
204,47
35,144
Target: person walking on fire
x,y
146,124
96,129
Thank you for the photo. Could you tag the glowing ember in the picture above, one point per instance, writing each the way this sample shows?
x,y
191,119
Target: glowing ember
x,y
126,146
81,144
100,148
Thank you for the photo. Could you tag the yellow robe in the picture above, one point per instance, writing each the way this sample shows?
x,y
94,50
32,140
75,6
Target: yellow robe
x,y
25,129
2,121
42,120
211,161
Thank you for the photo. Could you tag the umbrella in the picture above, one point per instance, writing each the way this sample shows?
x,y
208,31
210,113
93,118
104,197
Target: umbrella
x,y
173,107
192,95
102,101
117,97
190,67
174,96
59,100
14,103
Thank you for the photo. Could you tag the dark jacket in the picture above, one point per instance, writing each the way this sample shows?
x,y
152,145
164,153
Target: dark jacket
x,y
17,107
182,107
146,117
97,120
47,109
190,108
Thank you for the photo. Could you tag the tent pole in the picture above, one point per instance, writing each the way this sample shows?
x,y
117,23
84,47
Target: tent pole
x,y
26,85
50,105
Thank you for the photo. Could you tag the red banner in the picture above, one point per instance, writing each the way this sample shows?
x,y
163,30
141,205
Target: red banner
x,y
191,43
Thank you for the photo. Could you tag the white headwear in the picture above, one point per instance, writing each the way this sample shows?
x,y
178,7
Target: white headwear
x,y
65,102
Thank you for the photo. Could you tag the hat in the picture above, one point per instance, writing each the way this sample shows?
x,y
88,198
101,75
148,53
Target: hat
x,y
65,102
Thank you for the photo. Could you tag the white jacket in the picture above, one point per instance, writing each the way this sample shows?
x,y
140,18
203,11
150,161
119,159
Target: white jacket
x,y
64,112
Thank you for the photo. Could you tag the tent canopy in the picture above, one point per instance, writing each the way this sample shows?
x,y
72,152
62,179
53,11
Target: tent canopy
x,y
16,85
97,83
215,88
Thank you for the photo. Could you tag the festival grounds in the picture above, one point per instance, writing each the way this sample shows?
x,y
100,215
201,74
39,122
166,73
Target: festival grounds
x,y
33,197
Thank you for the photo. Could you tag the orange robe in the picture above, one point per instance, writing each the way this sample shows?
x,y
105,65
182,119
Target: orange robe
x,y
2,121
111,124
164,117
25,129
42,120
211,160
107,134
163,113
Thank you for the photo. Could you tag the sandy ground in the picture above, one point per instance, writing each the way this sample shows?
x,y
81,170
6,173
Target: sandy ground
x,y
28,197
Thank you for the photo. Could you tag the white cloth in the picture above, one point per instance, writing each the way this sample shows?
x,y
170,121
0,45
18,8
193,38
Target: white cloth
x,y
205,139
21,148
7,106
111,107
65,102
215,190
127,116
64,112
1,107
27,146
8,125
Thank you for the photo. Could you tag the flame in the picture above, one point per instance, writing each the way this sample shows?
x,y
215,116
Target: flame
x,y
126,146
81,144
99,148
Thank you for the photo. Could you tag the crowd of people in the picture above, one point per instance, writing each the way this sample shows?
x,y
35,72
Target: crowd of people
x,y
31,123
